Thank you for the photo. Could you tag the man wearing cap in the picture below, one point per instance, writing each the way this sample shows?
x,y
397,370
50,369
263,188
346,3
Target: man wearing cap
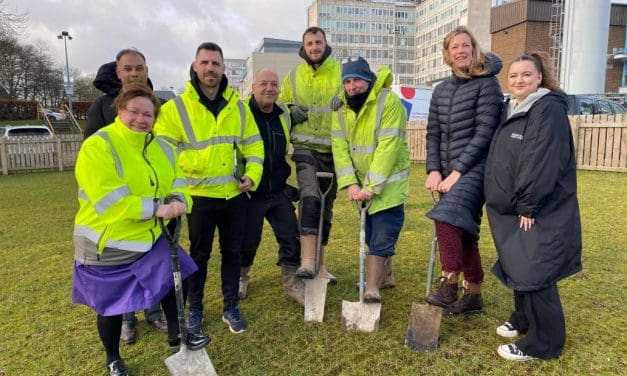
x,y
308,91
372,162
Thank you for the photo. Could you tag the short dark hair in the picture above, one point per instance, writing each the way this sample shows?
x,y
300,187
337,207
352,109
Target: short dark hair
x,y
211,47
314,30
134,90
130,50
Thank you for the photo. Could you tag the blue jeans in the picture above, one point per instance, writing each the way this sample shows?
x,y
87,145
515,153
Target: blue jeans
x,y
383,229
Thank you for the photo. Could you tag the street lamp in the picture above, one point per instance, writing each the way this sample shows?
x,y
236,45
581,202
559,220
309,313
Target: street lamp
x,y
68,87
394,33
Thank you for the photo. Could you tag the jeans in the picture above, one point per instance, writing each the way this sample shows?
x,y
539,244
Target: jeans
x,y
383,229
229,216
278,209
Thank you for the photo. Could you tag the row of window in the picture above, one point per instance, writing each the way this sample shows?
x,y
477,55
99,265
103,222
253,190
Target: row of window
x,y
338,25
329,10
386,54
401,41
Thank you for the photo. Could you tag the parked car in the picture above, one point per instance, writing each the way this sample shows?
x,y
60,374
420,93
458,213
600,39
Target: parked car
x,y
54,114
7,131
591,105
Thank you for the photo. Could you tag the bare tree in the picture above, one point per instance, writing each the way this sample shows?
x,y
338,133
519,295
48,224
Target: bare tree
x,y
12,23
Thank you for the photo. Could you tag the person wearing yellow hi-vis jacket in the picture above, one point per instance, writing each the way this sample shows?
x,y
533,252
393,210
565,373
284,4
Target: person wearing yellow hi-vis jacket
x,y
308,90
215,135
127,181
372,162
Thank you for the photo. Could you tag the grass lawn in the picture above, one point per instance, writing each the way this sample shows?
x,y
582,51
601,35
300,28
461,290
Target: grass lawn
x,y
43,333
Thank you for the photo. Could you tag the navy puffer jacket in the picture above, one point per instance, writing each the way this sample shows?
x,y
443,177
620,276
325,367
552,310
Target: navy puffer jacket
x,y
463,115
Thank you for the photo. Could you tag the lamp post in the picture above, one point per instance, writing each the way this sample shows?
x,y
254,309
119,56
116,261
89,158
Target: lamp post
x,y
394,33
69,91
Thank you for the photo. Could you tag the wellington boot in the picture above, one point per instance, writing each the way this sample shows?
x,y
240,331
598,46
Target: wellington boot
x,y
323,272
244,279
294,287
387,278
308,256
375,266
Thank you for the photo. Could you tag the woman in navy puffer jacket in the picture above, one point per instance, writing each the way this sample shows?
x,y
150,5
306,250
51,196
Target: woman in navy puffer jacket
x,y
463,114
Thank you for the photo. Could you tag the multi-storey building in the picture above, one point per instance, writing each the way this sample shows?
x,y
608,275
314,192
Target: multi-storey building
x,y
435,19
235,69
382,31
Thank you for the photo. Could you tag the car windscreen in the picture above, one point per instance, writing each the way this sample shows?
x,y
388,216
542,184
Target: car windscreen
x,y
28,132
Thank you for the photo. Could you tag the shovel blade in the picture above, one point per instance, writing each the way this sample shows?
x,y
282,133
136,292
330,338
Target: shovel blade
x,y
361,317
188,363
315,296
423,331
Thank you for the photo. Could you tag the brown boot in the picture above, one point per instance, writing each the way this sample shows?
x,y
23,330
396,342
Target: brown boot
x,y
308,256
387,278
470,302
244,279
445,295
294,287
375,266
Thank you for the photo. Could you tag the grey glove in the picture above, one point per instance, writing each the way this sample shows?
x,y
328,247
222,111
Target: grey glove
x,y
336,103
298,114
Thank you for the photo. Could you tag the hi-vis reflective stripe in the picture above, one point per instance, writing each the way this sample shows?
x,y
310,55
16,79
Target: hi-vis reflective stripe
x,y
380,105
212,181
377,131
179,183
118,164
82,195
168,150
391,132
254,160
189,131
338,134
301,138
251,140
345,171
320,109
286,115
111,198
126,245
148,208
378,179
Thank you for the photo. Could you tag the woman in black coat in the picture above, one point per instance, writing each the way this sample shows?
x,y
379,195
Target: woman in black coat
x,y
464,111
531,200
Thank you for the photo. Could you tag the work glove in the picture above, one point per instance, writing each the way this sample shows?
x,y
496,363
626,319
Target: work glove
x,y
336,103
298,114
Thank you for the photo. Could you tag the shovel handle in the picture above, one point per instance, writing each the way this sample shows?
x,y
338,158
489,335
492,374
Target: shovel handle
x,y
323,194
363,211
432,251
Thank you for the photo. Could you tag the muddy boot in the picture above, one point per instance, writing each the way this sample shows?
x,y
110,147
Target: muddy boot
x,y
387,279
470,302
294,287
244,278
445,295
323,272
375,266
308,256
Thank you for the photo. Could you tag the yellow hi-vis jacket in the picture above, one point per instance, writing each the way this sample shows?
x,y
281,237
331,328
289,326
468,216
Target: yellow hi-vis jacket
x,y
123,176
209,148
313,89
370,148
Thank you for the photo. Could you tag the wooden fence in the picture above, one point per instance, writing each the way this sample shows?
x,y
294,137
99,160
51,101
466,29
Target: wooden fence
x,y
39,153
600,143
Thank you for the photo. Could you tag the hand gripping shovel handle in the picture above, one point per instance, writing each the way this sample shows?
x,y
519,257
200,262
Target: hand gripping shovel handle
x,y
434,245
363,211
173,241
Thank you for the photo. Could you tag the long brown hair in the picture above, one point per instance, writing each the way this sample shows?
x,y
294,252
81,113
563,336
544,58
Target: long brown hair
x,y
478,66
543,65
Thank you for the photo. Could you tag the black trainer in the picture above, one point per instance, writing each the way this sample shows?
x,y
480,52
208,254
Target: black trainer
x,y
194,342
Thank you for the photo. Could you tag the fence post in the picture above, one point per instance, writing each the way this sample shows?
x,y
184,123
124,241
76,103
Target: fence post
x,y
575,120
3,157
59,153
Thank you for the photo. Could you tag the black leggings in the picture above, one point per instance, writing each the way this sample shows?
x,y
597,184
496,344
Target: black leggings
x,y
109,327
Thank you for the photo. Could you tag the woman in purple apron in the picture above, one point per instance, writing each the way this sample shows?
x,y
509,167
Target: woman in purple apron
x,y
127,180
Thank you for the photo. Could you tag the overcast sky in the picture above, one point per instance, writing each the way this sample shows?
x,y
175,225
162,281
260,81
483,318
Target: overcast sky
x,y
167,32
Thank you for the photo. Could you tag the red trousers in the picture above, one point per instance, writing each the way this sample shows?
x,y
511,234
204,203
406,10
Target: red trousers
x,y
459,252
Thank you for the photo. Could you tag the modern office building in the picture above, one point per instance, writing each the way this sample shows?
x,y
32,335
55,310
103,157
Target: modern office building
x,y
280,55
435,19
235,69
382,31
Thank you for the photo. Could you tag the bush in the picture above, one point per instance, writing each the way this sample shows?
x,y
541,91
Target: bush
x,y
17,110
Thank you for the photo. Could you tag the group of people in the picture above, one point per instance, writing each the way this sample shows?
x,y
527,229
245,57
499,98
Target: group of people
x,y
221,161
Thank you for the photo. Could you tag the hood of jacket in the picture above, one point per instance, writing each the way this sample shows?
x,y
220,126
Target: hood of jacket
x,y
107,79
383,80
493,63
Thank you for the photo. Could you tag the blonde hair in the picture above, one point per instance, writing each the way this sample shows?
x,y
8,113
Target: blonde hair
x,y
478,66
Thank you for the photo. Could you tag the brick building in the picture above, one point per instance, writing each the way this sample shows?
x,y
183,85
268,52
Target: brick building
x,y
525,25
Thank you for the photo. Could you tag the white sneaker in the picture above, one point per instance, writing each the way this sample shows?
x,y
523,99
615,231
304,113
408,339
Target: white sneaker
x,y
507,330
512,352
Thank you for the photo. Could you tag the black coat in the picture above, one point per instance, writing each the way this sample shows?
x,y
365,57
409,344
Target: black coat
x,y
463,114
101,111
531,171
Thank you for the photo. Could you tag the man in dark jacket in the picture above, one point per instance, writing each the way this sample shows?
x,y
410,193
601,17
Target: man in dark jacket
x,y
273,198
129,66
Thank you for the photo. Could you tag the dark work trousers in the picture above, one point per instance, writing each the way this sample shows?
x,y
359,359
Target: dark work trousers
x,y
540,315
229,217
278,209
308,162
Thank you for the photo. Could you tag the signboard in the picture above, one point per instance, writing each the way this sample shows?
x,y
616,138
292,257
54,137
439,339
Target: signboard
x,y
415,99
